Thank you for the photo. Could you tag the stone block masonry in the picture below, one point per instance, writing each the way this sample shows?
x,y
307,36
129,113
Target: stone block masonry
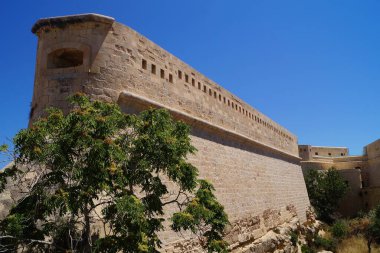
x,y
251,160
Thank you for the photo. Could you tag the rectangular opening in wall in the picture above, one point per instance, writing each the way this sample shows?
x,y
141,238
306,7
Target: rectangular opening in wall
x,y
214,94
228,102
186,78
179,74
192,81
210,92
170,78
153,69
64,58
144,64
162,73
232,104
199,86
224,99
204,88
220,97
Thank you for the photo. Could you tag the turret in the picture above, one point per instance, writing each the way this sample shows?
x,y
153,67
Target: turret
x,y
67,48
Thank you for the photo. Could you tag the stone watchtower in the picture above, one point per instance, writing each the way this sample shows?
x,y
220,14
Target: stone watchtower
x,y
252,161
67,49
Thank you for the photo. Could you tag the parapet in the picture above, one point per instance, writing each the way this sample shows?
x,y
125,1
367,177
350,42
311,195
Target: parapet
x,y
308,152
63,21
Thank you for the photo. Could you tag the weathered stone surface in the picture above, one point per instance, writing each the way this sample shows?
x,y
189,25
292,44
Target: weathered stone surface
x,y
251,160
360,172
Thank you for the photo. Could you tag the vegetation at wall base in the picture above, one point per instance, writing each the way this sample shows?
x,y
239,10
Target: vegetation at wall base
x,y
325,189
356,235
99,168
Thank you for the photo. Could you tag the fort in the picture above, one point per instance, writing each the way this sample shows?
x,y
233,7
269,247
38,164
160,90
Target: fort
x,y
361,173
252,161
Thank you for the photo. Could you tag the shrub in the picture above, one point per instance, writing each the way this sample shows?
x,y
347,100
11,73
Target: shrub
x,y
324,243
294,238
339,229
306,249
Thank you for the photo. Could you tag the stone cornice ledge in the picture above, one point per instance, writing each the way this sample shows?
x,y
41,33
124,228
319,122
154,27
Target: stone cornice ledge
x,y
130,96
62,21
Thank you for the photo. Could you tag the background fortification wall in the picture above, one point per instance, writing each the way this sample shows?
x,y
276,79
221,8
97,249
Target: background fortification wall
x,y
252,161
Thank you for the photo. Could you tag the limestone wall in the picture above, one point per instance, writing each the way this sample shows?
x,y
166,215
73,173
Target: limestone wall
x,y
116,58
353,201
324,151
251,160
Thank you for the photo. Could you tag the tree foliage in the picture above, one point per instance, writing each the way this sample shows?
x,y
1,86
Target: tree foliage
x,y
101,182
372,232
325,189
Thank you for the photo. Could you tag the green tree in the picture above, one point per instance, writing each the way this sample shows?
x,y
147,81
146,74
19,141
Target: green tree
x,y
100,183
372,232
325,189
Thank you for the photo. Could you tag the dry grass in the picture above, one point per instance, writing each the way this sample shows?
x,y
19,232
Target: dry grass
x,y
356,244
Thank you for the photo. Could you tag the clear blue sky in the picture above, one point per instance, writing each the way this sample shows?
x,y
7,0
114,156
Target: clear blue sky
x,y
312,66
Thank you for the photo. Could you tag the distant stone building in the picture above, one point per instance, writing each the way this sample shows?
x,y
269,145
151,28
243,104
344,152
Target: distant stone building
x,y
252,161
362,173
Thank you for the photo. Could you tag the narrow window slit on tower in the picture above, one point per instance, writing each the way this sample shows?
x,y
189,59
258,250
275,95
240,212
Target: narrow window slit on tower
x,y
204,89
210,92
170,78
192,81
144,64
162,73
199,85
179,74
153,69
186,78
214,94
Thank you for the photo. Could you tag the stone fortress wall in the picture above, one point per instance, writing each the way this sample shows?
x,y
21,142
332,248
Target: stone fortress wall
x,y
252,161
361,173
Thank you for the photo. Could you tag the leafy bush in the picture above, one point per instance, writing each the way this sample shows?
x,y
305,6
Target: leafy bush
x,y
306,249
294,238
324,243
339,229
